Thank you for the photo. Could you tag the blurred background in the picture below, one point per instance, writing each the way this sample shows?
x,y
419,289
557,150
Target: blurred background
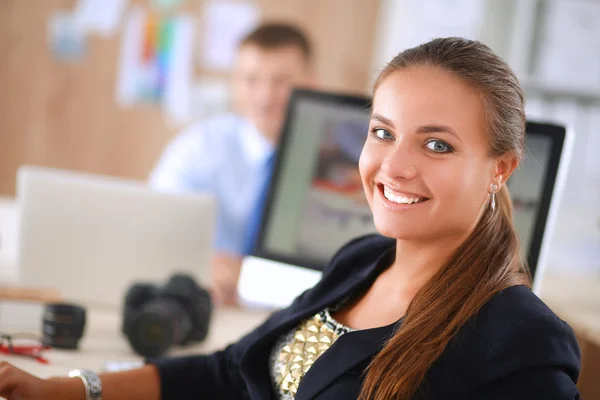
x,y
68,70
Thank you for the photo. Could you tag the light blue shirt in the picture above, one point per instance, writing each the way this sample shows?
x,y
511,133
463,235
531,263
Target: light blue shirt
x,y
224,156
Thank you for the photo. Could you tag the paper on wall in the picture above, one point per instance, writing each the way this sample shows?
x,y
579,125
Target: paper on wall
x,y
179,79
569,50
99,16
454,12
209,97
225,24
156,63
128,60
443,18
66,39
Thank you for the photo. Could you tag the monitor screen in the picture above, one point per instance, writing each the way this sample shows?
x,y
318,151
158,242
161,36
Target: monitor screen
x,y
533,185
319,203
316,200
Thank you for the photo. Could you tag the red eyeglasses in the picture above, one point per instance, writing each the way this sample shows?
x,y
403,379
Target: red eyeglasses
x,y
23,345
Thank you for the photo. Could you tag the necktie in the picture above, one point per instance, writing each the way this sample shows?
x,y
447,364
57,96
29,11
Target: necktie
x,y
256,216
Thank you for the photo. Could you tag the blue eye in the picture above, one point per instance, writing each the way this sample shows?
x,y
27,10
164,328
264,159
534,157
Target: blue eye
x,y
382,134
438,146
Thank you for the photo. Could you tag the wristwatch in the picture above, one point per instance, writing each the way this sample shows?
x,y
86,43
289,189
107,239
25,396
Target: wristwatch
x,y
91,381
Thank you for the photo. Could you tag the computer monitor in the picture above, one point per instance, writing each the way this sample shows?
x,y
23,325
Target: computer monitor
x,y
316,201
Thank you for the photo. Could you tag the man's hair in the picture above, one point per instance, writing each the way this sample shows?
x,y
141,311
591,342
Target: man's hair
x,y
271,36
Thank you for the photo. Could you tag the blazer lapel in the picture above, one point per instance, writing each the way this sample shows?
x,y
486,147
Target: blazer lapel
x,y
256,358
254,363
349,350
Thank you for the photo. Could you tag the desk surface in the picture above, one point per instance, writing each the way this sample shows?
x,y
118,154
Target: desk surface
x,y
576,299
103,342
573,298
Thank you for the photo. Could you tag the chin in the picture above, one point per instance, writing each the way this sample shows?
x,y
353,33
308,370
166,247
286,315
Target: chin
x,y
404,224
267,129
397,231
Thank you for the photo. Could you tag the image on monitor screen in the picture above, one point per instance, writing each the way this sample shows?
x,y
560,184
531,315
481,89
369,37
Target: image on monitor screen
x,y
320,203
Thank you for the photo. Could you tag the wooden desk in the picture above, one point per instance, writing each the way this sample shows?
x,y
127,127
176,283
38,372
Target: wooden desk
x,y
576,299
103,341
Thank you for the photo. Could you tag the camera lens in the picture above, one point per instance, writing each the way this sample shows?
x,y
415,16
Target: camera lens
x,y
63,325
158,326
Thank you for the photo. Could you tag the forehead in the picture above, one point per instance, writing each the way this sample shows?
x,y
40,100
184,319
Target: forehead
x,y
284,57
429,95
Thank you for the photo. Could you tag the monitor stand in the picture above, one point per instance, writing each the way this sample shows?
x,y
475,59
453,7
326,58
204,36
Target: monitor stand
x,y
272,284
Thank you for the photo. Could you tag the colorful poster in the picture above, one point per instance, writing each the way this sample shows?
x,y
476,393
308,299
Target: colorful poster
x,y
156,63
101,17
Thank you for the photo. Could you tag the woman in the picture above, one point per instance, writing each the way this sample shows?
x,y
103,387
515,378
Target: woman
x,y
440,309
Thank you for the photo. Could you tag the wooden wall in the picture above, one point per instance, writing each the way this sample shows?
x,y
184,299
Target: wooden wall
x,y
64,115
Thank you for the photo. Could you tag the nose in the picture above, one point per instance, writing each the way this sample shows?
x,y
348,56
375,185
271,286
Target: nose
x,y
266,93
400,161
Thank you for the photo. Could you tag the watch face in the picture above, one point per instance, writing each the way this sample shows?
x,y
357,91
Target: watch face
x,y
96,388
92,382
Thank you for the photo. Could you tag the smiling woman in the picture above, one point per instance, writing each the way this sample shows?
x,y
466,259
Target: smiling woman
x,y
440,308
447,131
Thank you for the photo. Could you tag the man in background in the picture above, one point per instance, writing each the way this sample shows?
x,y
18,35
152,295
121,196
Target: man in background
x,y
229,155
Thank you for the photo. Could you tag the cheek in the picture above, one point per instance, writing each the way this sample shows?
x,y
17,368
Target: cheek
x,y
363,165
283,96
462,188
368,165
453,181
247,93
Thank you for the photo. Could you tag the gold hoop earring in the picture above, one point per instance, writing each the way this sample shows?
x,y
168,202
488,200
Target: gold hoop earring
x,y
494,189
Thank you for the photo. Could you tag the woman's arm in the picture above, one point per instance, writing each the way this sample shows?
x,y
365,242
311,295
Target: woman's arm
x,y
142,383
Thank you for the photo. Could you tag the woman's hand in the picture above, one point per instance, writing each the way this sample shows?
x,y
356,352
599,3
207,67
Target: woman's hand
x,y
17,384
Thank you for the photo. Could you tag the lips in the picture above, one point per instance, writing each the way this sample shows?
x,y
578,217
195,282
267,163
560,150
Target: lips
x,y
401,197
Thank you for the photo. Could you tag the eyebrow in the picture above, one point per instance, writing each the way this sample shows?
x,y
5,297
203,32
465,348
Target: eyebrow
x,y
422,129
437,128
383,119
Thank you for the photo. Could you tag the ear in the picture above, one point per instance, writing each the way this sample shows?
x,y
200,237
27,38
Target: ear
x,y
505,165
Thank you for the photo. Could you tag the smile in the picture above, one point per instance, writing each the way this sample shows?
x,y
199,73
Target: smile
x,y
401,197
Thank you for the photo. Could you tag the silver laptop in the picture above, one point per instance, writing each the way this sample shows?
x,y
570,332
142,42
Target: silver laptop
x,y
92,236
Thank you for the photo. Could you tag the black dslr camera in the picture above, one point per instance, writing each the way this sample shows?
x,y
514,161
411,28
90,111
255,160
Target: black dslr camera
x,y
157,317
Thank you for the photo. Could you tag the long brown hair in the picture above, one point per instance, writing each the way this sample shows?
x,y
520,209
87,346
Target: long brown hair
x,y
489,260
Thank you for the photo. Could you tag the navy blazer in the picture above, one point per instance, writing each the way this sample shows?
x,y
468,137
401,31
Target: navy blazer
x,y
515,348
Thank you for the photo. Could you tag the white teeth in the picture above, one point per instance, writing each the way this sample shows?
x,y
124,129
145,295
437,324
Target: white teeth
x,y
391,196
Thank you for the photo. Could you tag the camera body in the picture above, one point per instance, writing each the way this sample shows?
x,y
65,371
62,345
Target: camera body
x,y
158,317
